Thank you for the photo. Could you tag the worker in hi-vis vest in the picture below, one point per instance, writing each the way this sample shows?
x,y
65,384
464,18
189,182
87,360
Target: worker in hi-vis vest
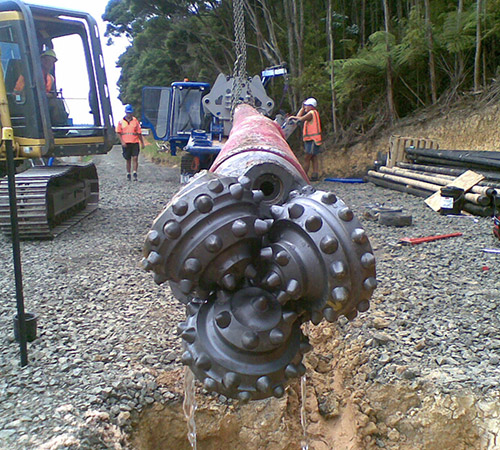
x,y
130,134
311,134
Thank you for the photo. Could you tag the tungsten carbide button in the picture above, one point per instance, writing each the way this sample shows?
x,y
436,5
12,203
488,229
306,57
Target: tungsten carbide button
x,y
189,335
203,362
261,227
229,282
313,223
338,269
186,286
368,260
329,244
276,211
308,189
293,194
231,380
263,384
305,347
276,336
210,384
155,258
257,196
351,315
295,211
282,258
146,265
180,207
289,317
172,229
359,236
236,191
239,228
291,371
293,288
346,214
370,283
329,198
250,272
273,280
363,306
244,396
316,317
192,308
159,278
192,265
216,186
283,297
330,314
261,304
154,237
340,294
181,327
250,340
187,358
213,243
245,181
266,253
223,319
204,203
278,391
301,369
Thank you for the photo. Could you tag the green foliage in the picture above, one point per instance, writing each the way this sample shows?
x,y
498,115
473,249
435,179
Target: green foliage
x,y
174,39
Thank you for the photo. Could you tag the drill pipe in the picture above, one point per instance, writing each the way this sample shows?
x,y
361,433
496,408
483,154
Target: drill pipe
x,y
253,251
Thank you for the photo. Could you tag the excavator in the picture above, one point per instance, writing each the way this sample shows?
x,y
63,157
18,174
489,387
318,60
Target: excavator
x,y
71,119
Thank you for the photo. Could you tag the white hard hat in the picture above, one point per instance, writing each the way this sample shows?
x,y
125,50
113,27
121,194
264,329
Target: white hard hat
x,y
311,102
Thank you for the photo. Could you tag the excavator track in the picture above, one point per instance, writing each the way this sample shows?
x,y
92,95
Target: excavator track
x,y
50,199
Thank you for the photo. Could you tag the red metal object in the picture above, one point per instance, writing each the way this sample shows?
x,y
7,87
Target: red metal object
x,y
255,139
413,241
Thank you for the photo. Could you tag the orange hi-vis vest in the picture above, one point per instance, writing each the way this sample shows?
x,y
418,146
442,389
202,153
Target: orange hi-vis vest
x,y
130,131
49,83
312,128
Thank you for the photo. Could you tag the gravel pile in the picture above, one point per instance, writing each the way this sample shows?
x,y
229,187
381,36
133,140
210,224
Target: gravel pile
x,y
106,330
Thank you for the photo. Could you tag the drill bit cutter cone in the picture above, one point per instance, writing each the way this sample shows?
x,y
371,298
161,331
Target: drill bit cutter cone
x,y
254,251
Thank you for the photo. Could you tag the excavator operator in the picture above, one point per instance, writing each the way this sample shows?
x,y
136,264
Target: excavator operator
x,y
47,60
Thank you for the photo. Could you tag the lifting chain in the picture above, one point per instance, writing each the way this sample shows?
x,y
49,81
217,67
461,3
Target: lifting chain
x,y
238,94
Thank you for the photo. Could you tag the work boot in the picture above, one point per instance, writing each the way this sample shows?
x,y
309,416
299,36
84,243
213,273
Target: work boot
x,y
129,177
135,176
314,176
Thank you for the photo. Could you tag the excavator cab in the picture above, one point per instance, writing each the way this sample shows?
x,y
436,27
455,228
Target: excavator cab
x,y
55,110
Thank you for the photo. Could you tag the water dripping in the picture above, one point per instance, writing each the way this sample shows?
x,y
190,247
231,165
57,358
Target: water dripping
x,y
189,406
303,413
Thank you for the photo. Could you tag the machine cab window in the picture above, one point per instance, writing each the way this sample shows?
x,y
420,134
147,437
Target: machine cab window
x,y
50,63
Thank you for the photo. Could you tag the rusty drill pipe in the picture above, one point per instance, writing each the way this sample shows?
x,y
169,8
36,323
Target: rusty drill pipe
x,y
254,251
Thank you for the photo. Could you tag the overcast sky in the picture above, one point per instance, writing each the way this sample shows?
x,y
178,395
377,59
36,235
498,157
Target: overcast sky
x,y
111,53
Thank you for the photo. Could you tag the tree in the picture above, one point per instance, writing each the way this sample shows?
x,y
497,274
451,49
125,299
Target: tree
x,y
477,56
390,92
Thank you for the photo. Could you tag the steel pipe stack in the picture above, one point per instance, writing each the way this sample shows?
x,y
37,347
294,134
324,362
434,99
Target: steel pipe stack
x,y
431,169
254,251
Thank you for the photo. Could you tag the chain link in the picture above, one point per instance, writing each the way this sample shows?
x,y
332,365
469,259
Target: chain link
x,y
240,65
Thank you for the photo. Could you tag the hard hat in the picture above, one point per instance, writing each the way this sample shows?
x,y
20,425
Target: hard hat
x,y
49,52
129,109
311,102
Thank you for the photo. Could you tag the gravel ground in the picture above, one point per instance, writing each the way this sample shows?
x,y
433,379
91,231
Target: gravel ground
x,y
105,328
435,313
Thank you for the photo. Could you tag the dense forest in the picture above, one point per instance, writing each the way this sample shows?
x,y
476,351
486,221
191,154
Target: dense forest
x,y
368,62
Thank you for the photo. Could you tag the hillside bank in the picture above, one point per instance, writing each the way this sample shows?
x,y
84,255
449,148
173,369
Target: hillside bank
x,y
470,126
